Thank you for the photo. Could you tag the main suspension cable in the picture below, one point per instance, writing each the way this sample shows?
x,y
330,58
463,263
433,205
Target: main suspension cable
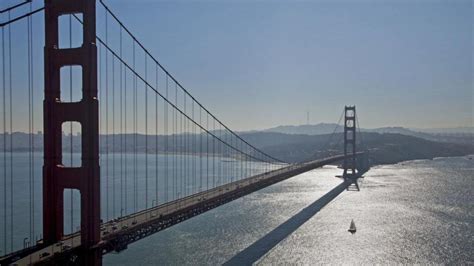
x,y
177,83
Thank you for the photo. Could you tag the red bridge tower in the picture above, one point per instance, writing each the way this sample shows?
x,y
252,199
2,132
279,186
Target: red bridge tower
x,y
57,177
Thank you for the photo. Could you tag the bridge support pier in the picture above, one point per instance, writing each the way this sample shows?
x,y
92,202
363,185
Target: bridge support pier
x,y
57,177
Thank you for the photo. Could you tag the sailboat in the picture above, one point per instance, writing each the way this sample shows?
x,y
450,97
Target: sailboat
x,y
352,227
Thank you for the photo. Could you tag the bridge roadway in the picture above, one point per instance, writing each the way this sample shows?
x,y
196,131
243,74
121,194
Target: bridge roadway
x,y
118,233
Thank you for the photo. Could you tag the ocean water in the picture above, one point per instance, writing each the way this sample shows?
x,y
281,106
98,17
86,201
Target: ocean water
x,y
412,212
129,183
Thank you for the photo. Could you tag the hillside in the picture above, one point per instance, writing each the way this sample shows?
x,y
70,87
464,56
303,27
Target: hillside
x,y
384,148
454,135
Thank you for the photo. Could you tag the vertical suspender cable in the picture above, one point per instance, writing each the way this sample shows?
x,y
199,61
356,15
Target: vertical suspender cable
x,y
189,154
243,160
113,139
227,152
200,150
223,156
10,81
146,136
241,163
175,168
188,158
239,168
179,145
193,151
186,153
125,140
4,146
185,149
156,138
182,161
207,152
165,106
134,134
107,118
137,141
121,124
214,156
99,91
219,153
220,171
183,156
174,151
32,123
249,162
236,157
121,127
231,170
29,129
189,150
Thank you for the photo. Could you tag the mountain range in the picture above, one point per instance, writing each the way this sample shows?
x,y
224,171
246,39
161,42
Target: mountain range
x,y
455,135
384,147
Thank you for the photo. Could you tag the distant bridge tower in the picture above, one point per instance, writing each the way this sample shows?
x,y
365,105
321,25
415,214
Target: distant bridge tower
x,y
349,142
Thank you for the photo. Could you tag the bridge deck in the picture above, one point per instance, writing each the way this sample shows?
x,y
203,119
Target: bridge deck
x,y
117,234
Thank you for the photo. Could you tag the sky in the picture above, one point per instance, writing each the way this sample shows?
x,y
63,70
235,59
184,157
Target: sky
x,y
259,64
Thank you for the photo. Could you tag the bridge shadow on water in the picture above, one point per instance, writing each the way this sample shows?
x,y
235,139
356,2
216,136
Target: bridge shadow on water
x,y
259,248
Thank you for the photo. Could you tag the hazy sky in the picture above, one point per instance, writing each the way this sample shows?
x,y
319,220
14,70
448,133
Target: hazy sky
x,y
258,64
265,63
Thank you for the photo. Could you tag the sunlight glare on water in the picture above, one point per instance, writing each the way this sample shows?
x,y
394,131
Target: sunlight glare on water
x,y
412,212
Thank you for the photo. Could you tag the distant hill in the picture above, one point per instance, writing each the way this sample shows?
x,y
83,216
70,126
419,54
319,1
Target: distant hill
x,y
328,128
318,129
452,130
384,148
454,135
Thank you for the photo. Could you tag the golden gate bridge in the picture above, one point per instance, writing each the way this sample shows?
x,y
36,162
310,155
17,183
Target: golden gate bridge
x,y
164,157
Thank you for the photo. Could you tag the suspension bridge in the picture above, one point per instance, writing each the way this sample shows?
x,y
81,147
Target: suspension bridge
x,y
122,150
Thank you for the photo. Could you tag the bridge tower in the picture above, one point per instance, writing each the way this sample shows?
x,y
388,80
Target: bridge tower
x,y
350,164
57,177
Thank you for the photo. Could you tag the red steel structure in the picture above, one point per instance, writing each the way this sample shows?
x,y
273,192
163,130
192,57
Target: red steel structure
x,y
57,177
86,178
